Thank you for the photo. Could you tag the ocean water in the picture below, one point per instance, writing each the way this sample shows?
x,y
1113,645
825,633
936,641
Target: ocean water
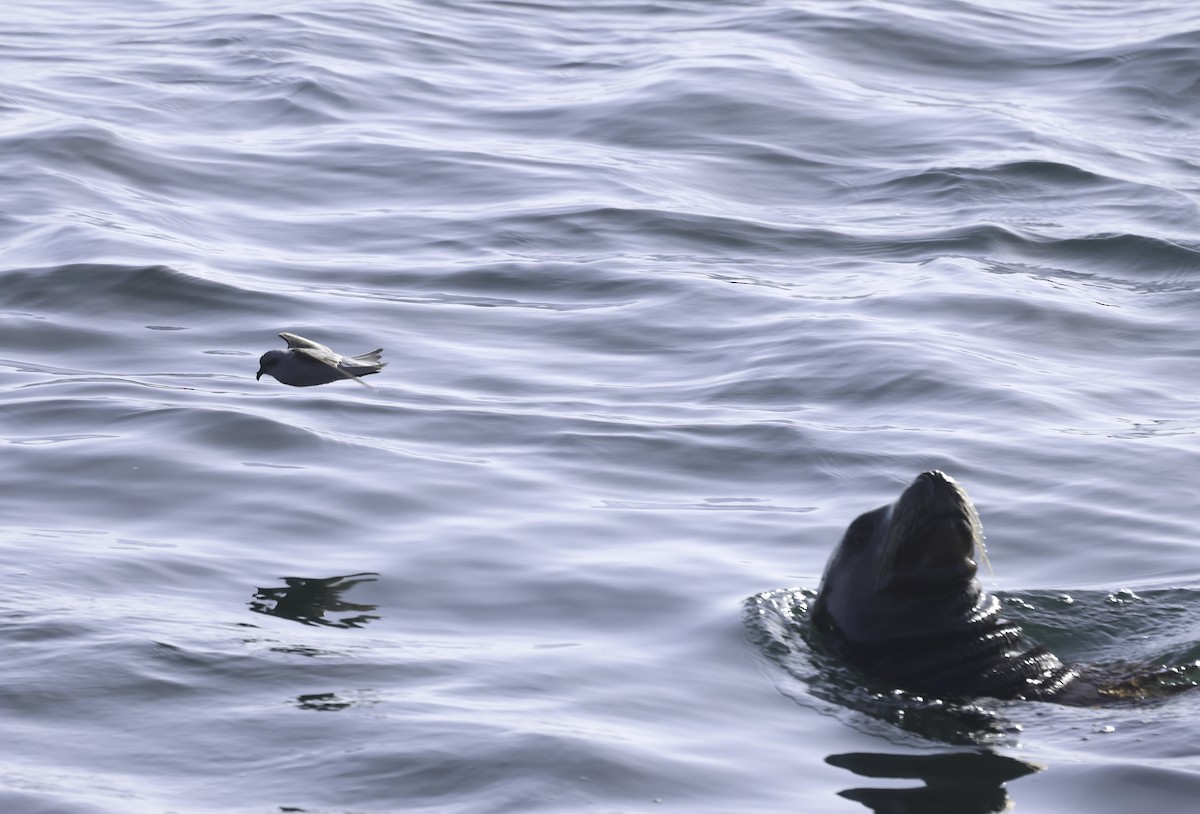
x,y
670,292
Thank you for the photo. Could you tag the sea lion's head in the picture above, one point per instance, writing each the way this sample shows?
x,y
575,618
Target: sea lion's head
x,y
905,569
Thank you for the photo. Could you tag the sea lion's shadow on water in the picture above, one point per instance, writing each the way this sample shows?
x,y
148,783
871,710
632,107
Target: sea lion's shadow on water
x,y
1105,630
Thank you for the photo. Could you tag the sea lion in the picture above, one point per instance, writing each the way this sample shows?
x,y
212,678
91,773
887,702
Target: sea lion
x,y
900,601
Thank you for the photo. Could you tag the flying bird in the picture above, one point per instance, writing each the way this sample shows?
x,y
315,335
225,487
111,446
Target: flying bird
x,y
306,363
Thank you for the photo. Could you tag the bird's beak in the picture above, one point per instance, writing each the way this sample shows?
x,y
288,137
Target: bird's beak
x,y
258,375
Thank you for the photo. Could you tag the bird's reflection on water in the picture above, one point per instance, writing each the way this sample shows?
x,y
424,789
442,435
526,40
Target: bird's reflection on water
x,y
955,782
315,601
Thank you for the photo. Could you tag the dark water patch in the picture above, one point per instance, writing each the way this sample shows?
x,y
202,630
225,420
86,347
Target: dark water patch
x,y
1119,787
659,233
998,187
677,236
553,285
1162,264
94,153
1122,627
141,294
1149,77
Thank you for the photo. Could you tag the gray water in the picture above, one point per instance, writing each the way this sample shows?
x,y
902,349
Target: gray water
x,y
670,292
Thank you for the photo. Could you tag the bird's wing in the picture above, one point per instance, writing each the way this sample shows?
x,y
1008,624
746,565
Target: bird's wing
x,y
296,341
325,356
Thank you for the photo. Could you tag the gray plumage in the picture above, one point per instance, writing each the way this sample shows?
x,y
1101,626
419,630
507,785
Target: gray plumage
x,y
306,363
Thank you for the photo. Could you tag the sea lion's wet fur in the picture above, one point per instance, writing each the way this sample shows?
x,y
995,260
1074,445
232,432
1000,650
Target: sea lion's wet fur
x,y
900,601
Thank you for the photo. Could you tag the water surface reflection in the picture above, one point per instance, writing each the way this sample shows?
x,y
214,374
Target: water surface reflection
x,y
958,782
315,601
